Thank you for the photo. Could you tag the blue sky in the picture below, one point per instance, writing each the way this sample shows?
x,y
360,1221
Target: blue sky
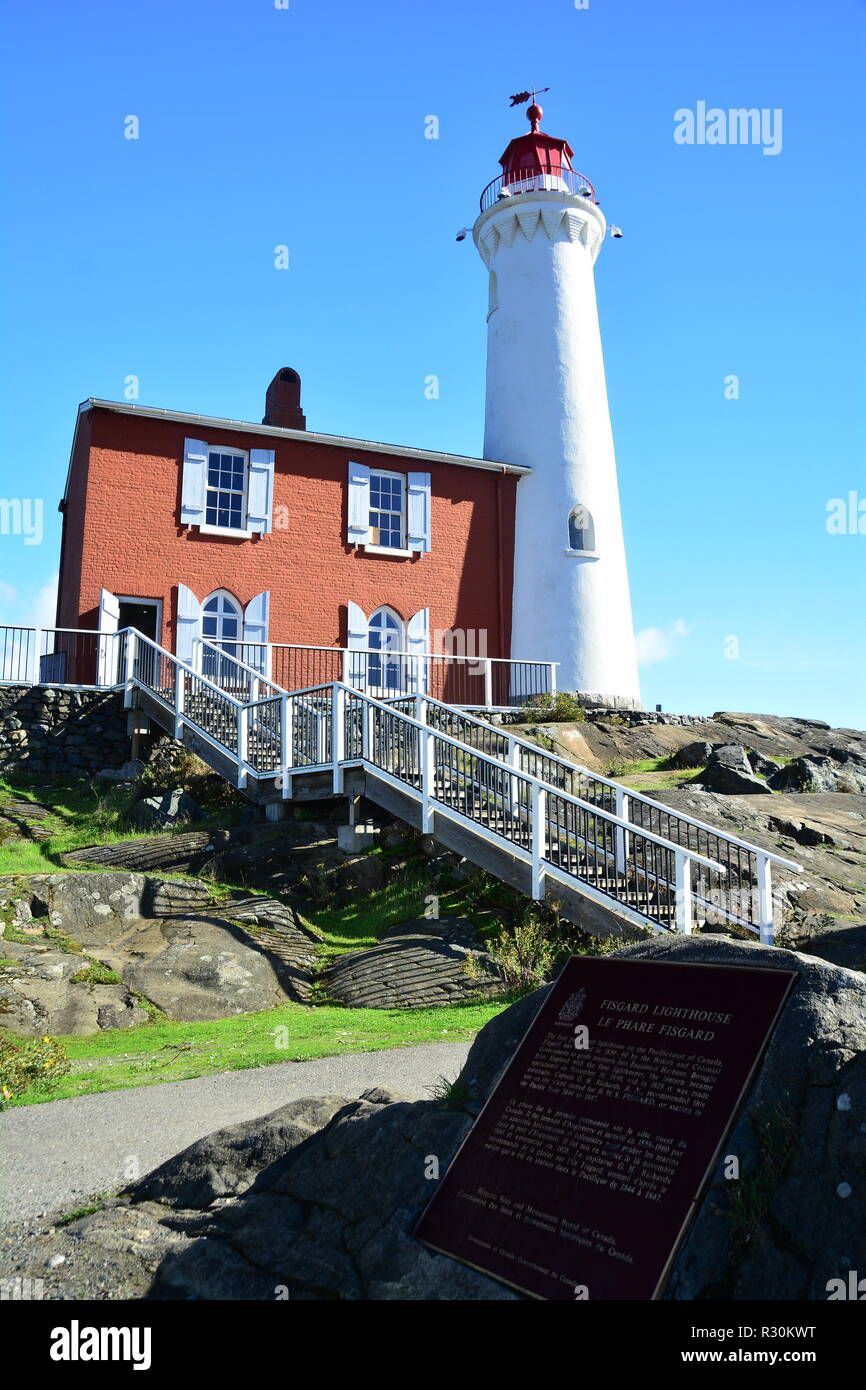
x,y
305,127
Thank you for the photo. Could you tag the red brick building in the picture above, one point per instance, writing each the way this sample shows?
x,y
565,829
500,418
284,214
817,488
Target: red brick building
x,y
186,526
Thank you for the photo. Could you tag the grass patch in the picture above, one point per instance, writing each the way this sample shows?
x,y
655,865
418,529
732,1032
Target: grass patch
x,y
78,815
117,1059
95,973
69,1216
62,940
359,925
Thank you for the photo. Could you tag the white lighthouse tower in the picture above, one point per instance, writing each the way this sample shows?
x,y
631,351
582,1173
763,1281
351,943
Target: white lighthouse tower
x,y
539,233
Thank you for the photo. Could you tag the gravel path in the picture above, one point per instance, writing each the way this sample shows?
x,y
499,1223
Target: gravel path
x,y
53,1157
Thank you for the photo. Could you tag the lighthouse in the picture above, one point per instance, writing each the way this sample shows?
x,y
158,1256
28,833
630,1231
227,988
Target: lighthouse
x,y
539,232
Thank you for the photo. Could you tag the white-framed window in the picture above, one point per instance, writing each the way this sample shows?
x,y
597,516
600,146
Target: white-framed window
x,y
388,513
387,510
226,494
227,491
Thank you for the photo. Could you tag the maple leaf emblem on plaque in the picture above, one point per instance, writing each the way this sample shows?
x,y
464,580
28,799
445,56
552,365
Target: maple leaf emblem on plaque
x,y
573,1007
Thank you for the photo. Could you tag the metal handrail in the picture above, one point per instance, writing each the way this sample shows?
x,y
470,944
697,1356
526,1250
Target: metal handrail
x,y
610,816
515,740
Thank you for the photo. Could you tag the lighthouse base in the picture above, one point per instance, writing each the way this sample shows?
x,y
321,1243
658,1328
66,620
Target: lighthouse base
x,y
591,699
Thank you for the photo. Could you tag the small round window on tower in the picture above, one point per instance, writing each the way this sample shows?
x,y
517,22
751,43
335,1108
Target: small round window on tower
x,y
581,529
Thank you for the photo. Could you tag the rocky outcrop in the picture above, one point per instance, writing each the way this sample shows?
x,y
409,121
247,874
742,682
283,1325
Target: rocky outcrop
x,y
415,965
40,994
631,737
318,1200
164,943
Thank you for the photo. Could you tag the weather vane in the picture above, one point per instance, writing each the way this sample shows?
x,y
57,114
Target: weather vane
x,y
520,97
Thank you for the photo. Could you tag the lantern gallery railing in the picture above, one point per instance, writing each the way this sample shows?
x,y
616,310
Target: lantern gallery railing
x,y
537,181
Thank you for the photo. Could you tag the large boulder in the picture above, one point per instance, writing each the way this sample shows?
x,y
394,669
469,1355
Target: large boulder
x,y
281,1204
815,773
208,968
695,754
160,812
728,771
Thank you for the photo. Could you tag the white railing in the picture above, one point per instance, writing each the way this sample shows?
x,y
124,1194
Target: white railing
x,y
77,658
88,659
470,682
567,824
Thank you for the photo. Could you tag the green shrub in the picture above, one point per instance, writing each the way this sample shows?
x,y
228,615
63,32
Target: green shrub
x,y
29,1062
564,708
525,951
616,768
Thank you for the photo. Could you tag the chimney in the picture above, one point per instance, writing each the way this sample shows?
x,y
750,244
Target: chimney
x,y
283,401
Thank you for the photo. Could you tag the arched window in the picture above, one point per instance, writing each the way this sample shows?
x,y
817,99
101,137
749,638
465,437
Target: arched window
x,y
581,529
221,623
386,635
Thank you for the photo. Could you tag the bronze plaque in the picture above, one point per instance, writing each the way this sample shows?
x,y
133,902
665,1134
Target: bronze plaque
x,y
581,1173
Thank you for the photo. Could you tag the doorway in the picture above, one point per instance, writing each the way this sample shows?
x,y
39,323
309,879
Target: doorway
x,y
141,613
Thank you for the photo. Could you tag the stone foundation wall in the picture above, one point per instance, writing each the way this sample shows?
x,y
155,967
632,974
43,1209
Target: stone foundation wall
x,y
67,732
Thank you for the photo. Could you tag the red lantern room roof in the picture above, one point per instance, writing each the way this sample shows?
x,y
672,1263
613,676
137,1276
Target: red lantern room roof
x,y
536,151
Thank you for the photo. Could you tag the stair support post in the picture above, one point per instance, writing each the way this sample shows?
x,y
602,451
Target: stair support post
x,y
513,781
765,901
367,732
179,698
286,712
621,835
242,745
427,750
129,667
684,892
488,683
338,734
539,838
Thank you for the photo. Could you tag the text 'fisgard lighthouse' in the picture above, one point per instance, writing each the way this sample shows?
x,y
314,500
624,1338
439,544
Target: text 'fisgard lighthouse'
x,y
539,233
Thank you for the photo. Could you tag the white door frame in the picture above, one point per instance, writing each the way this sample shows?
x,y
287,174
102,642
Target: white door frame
x,y
146,603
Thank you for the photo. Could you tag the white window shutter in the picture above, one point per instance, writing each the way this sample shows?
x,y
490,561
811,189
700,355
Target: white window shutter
x,y
359,504
358,638
193,489
260,491
418,512
418,645
256,618
188,624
